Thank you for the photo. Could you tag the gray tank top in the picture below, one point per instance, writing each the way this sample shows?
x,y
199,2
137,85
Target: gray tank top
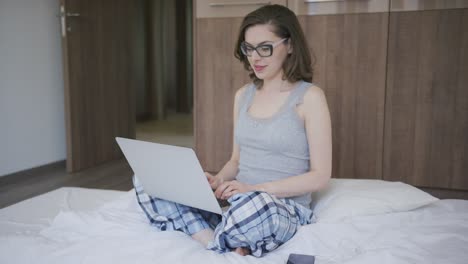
x,y
272,148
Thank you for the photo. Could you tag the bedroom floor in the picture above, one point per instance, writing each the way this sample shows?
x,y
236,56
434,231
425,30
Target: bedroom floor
x,y
114,175
177,130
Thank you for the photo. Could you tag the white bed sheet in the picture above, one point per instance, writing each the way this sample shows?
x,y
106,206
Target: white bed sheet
x,y
118,232
33,215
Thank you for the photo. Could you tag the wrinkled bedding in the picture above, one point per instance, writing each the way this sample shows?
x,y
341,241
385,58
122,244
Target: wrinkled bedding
x,y
108,227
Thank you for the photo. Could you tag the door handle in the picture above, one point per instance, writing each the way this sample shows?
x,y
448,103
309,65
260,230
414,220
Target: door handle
x,y
73,14
63,23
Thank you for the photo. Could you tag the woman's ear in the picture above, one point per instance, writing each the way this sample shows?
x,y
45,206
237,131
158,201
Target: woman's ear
x,y
290,49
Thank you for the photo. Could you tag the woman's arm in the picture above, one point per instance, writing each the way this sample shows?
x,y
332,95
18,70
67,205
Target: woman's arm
x,y
318,130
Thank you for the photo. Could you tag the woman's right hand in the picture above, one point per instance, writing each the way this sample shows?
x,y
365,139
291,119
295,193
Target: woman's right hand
x,y
214,181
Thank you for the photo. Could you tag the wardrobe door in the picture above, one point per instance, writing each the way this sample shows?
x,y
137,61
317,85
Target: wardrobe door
x,y
349,40
426,139
217,76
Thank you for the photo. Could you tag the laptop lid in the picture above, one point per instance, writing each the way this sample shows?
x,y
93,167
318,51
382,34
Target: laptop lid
x,y
170,172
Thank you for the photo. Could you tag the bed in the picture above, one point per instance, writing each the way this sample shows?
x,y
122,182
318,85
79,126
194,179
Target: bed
x,y
356,221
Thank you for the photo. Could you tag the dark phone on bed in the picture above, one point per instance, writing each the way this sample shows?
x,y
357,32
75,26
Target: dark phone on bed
x,y
300,259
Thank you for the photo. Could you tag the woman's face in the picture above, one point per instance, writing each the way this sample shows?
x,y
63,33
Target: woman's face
x,y
266,68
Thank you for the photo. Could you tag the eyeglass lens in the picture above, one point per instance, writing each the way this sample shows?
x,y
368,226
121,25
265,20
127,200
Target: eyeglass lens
x,y
262,50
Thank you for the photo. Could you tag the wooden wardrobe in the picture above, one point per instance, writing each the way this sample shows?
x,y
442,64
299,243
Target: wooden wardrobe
x,y
395,74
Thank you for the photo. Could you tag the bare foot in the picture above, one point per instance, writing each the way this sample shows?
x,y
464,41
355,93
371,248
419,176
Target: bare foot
x,y
204,236
242,251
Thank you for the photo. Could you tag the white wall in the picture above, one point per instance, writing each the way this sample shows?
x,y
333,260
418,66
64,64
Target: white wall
x,y
32,126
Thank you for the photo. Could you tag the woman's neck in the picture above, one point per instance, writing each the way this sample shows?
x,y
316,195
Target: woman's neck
x,y
276,85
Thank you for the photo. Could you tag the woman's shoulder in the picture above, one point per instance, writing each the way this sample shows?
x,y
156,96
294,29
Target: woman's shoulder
x,y
313,93
241,90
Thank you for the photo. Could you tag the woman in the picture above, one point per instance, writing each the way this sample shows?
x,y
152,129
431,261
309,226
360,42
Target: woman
x,y
281,151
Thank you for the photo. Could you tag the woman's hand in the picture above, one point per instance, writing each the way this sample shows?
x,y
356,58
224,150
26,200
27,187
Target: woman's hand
x,y
228,189
215,182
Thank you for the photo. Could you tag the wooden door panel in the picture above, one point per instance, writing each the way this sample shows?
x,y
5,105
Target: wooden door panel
x,y
99,79
218,76
350,53
426,143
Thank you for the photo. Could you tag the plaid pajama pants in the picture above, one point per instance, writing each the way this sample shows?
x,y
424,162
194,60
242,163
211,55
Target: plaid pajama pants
x,y
255,220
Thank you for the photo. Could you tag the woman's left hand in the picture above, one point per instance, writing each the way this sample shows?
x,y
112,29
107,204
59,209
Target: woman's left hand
x,y
228,189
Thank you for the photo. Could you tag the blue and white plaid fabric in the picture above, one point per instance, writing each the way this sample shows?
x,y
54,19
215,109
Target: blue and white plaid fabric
x,y
166,215
260,222
255,220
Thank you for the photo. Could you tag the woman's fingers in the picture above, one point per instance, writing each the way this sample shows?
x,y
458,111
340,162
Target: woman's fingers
x,y
227,192
220,190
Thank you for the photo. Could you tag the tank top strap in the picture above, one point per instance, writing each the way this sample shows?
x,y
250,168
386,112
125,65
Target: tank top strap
x,y
246,97
298,94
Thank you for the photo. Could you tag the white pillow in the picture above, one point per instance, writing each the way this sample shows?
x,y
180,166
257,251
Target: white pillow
x,y
345,198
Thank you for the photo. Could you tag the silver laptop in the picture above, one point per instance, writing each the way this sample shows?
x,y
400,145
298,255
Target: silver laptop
x,y
170,172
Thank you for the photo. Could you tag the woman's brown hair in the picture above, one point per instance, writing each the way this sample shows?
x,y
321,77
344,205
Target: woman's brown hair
x,y
298,64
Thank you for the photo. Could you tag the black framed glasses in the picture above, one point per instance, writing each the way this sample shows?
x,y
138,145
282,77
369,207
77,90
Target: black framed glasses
x,y
263,50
